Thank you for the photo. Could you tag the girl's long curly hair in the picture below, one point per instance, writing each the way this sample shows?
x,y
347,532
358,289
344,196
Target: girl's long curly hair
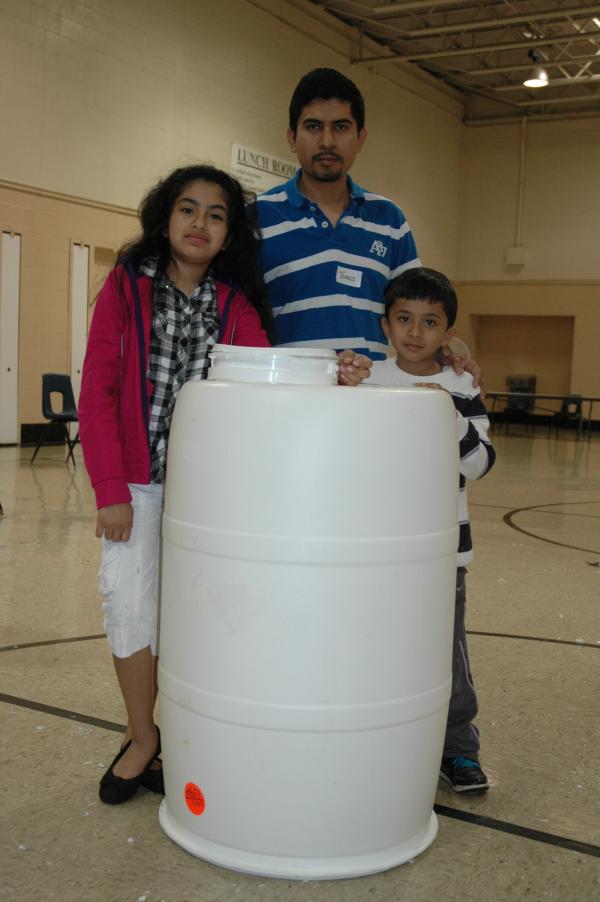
x,y
238,262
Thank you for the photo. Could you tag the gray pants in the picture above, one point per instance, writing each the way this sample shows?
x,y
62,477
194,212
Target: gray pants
x,y
462,736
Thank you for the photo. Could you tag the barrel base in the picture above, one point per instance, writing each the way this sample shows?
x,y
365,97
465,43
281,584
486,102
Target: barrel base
x,y
296,868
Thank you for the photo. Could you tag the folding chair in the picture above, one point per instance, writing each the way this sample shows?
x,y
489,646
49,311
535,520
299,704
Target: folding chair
x,y
520,410
571,411
58,384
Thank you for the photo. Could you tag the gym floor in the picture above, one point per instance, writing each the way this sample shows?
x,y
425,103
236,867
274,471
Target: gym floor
x,y
534,636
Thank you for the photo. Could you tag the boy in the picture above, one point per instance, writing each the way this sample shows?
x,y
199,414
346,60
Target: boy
x,y
420,311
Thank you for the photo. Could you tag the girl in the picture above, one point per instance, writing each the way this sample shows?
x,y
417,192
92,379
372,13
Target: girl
x,y
192,278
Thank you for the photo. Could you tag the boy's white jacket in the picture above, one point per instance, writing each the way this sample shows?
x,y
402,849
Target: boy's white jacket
x,y
476,454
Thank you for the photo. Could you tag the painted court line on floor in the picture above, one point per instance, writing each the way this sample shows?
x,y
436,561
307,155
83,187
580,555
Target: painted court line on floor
x,y
581,644
540,509
562,842
509,520
62,712
551,839
52,642
71,639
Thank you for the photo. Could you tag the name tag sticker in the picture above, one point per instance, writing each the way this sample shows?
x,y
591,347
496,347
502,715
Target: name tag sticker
x,y
349,276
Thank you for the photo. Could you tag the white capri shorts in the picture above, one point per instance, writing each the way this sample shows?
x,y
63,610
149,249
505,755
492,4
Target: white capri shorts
x,y
129,577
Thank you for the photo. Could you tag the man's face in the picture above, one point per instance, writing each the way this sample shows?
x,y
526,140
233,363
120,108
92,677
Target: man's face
x,y
327,140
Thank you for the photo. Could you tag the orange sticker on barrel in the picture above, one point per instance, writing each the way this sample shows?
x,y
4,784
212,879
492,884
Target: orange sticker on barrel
x,y
194,798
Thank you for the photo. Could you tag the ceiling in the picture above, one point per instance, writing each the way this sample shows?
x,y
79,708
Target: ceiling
x,y
486,48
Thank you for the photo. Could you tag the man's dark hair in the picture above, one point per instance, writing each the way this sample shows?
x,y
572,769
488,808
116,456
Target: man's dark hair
x,y
326,84
422,284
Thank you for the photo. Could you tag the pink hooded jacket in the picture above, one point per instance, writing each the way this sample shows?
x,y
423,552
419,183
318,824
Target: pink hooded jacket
x,y
113,431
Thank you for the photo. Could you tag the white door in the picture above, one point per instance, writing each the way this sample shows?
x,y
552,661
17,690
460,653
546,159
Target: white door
x,y
10,286
80,261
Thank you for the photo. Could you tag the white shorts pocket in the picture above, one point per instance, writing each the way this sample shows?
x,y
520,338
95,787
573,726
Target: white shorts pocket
x,y
110,567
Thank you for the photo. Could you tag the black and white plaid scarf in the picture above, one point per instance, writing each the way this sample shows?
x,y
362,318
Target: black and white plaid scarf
x,y
183,332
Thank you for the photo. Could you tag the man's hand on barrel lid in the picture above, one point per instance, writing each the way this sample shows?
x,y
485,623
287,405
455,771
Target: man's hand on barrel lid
x,y
353,368
461,365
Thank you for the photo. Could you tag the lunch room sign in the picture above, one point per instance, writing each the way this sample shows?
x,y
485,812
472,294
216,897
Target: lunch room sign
x,y
257,170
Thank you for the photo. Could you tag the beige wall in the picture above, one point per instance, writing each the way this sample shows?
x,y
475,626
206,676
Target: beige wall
x,y
48,226
559,229
561,201
578,301
539,346
100,99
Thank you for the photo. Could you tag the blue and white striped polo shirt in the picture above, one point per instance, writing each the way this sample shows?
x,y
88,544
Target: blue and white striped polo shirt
x,y
326,284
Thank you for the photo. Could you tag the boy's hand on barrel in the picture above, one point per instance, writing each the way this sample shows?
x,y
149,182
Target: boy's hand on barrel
x,y
115,522
353,368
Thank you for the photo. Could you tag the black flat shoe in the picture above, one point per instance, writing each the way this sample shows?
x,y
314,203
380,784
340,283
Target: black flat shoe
x,y
152,778
116,790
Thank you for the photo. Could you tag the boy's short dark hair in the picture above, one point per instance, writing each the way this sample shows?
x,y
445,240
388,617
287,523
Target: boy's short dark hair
x,y
326,84
422,284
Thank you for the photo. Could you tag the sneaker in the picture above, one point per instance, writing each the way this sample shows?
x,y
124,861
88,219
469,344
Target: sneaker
x,y
464,775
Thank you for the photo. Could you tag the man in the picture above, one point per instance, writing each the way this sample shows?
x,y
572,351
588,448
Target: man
x,y
329,247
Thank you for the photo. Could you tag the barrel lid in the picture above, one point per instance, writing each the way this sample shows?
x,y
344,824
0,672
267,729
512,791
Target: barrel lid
x,y
290,366
267,353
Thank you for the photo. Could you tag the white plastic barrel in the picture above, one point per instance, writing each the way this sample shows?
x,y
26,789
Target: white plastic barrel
x,y
309,557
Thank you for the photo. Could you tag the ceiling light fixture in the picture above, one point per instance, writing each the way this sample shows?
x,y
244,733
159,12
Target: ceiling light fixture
x,y
538,77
